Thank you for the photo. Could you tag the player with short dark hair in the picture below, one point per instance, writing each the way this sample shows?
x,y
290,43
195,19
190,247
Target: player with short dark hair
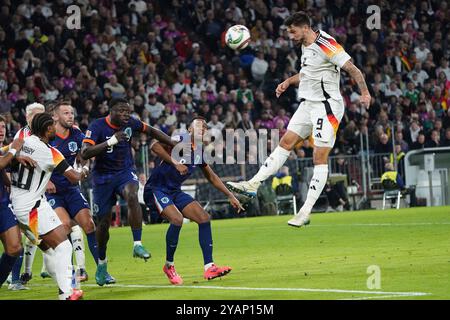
x,y
65,198
109,141
320,110
163,190
9,230
36,217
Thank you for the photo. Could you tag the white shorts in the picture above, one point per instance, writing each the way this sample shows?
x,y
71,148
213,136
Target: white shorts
x,y
321,118
37,221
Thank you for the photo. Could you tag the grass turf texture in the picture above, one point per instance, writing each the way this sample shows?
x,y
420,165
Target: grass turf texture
x,y
411,247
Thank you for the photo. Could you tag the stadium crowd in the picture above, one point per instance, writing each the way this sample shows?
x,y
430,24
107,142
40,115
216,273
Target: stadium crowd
x,y
169,60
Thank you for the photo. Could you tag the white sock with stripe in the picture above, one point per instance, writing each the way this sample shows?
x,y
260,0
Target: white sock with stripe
x,y
318,181
272,164
78,246
63,268
29,254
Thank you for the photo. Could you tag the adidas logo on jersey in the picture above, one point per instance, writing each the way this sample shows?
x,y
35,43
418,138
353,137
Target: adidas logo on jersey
x,y
313,187
318,135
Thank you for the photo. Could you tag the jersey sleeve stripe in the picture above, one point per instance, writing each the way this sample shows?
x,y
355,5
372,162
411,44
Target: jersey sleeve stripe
x,y
57,156
22,133
329,46
90,141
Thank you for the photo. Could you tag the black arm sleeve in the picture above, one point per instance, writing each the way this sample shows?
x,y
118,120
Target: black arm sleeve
x,y
62,167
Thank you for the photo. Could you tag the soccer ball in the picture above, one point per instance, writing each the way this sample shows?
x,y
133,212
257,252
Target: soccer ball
x,y
237,37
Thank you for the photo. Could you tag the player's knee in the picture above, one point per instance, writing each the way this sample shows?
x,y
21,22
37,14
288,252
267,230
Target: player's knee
x,y
178,220
204,218
320,156
89,227
67,226
14,250
286,144
132,198
288,141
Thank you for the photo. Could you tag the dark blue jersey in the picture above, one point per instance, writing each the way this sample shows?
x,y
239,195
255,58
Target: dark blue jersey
x,y
69,146
116,158
4,195
166,177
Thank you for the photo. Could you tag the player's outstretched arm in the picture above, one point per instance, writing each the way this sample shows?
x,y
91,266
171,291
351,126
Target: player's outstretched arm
x,y
292,81
74,176
161,152
89,150
212,177
160,136
357,75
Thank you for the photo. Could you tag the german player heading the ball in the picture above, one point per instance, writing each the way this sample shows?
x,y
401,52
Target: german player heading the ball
x,y
319,113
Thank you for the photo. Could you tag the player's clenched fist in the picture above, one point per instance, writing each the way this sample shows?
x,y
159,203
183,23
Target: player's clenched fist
x,y
282,87
182,169
119,136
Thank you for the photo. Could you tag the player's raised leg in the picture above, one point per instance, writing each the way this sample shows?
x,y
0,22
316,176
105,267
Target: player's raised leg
x,y
129,193
325,117
195,212
272,164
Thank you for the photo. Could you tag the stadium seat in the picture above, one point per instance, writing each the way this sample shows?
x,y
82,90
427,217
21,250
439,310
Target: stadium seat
x,y
392,194
285,195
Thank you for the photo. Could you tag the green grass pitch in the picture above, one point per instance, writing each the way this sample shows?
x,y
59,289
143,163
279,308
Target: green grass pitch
x,y
329,259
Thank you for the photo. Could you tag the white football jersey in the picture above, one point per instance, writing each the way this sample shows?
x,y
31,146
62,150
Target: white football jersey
x,y
320,72
29,185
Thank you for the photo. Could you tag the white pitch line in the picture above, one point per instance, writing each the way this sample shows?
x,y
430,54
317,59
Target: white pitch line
x,y
380,224
377,297
405,294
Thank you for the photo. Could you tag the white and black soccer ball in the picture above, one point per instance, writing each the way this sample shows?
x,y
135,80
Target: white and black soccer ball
x,y
237,37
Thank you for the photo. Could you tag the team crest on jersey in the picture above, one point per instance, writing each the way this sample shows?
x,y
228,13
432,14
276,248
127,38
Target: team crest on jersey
x,y
95,208
165,200
73,147
51,202
129,132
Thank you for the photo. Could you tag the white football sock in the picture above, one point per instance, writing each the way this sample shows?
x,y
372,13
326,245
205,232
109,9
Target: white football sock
x,y
318,181
49,262
29,254
44,265
169,263
272,164
78,246
208,265
63,268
